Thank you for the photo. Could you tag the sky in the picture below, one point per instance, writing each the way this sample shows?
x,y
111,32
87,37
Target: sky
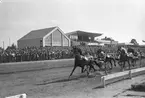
x,y
121,20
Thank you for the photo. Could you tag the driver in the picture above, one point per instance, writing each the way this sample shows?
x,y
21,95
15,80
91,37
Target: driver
x,y
101,56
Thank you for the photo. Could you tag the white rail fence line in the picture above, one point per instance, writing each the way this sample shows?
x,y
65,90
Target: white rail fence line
x,y
119,74
18,96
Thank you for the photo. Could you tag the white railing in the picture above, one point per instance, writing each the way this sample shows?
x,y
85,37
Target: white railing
x,y
17,96
120,74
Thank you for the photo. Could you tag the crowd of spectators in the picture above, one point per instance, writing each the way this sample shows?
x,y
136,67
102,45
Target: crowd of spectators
x,y
35,54
93,49
48,53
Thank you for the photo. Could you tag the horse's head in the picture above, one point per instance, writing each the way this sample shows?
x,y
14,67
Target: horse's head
x,y
76,51
99,51
121,53
136,53
101,54
118,52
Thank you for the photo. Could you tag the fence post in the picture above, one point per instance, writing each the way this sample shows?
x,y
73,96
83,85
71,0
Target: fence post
x,y
103,81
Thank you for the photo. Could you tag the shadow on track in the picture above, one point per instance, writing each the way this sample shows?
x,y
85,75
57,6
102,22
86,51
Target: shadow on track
x,y
32,70
62,80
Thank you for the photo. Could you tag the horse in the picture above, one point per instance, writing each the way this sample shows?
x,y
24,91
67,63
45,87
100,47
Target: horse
x,y
123,58
138,57
104,57
134,55
110,58
82,61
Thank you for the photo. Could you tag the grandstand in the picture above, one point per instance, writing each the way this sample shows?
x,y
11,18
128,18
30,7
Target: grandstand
x,y
83,38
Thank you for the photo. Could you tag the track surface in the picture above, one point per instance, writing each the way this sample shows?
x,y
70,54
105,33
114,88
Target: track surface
x,y
49,82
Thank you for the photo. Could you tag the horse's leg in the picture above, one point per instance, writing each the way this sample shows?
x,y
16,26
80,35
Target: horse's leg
x,y
114,62
98,65
88,69
140,60
129,64
91,66
133,62
123,66
105,68
111,64
72,71
82,69
119,63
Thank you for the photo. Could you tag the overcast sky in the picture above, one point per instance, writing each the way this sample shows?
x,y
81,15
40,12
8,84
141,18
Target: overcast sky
x,y
120,19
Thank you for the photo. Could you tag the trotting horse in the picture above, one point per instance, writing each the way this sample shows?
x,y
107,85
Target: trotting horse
x,y
80,61
102,56
138,56
135,56
123,58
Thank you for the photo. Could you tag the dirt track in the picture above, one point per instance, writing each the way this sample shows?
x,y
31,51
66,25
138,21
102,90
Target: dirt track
x,y
52,83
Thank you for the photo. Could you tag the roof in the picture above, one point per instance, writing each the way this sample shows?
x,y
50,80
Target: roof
x,y
108,39
103,41
40,33
80,33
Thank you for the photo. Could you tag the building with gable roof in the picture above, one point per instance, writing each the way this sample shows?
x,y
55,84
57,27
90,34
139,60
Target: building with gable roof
x,y
52,36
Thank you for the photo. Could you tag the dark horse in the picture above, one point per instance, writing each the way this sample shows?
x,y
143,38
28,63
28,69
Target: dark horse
x,y
80,61
110,58
123,58
138,56
105,58
135,55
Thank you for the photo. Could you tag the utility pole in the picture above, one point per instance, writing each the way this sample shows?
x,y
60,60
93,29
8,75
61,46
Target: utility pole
x,y
3,45
9,42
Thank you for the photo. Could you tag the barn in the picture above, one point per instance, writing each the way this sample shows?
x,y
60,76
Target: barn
x,y
52,36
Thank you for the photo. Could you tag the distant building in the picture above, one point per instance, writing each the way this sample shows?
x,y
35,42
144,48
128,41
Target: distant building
x,y
126,43
83,37
53,36
107,42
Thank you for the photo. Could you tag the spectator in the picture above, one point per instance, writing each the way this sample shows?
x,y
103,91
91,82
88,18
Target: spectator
x,y
48,53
